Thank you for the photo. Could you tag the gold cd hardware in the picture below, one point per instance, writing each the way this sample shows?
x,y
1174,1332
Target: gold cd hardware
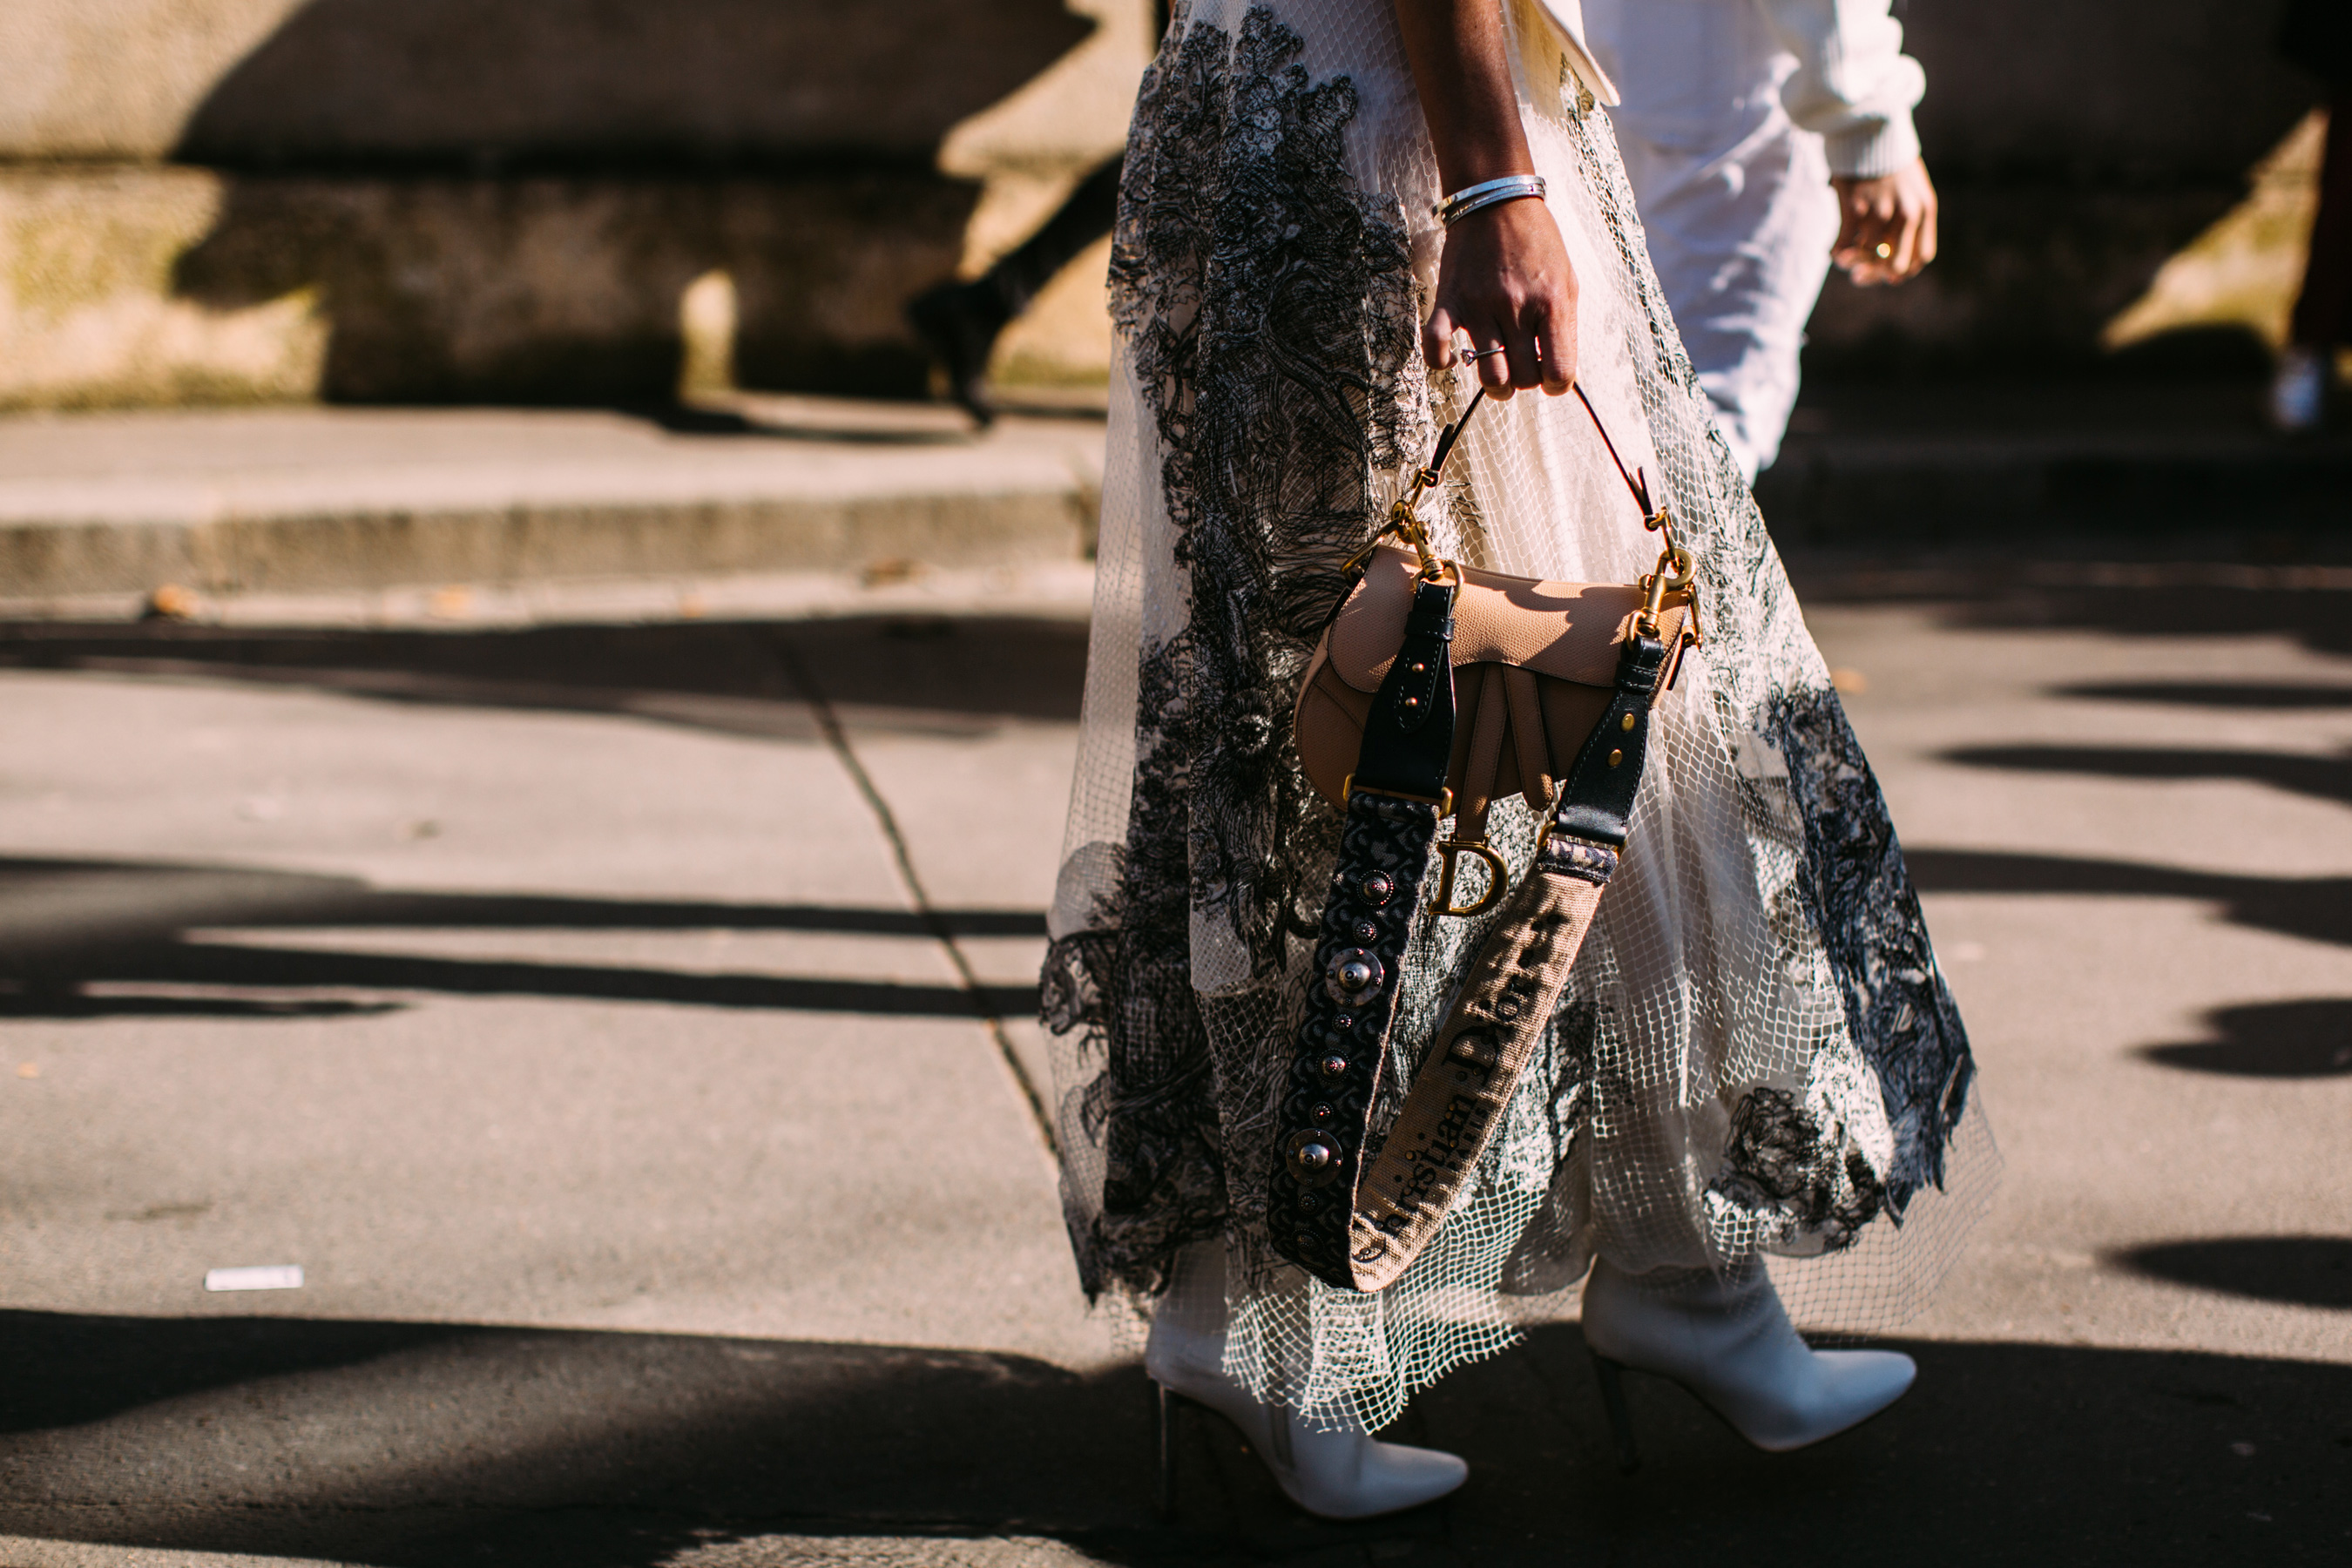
x,y
1402,521
1402,524
1672,573
1498,876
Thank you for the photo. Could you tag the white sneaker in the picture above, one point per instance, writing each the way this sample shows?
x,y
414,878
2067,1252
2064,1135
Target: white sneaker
x,y
2298,403
1343,1474
1729,1341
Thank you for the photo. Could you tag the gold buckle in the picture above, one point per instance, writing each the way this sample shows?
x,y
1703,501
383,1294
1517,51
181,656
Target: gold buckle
x,y
1498,876
1672,573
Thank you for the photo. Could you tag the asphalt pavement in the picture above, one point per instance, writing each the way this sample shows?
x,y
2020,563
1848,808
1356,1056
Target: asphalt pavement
x,y
620,1019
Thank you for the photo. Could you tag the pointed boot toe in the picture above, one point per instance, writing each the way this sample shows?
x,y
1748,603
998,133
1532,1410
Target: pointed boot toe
x,y
1415,1476
1348,1475
1852,1387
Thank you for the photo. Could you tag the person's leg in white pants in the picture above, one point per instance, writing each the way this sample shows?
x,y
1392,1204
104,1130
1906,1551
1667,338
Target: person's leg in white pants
x,y
1734,199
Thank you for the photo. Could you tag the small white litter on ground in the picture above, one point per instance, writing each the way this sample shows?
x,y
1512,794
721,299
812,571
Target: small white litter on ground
x,y
265,1277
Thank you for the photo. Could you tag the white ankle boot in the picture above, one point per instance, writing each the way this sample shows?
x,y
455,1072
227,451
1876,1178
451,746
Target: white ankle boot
x,y
1336,1474
1729,1342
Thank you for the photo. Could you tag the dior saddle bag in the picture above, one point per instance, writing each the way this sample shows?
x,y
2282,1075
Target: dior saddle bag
x,y
1437,690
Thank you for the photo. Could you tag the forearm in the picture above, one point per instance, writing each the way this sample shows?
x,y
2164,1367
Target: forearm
x,y
1461,60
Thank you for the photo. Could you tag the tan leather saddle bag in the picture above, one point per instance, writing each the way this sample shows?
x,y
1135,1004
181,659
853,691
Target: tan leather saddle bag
x,y
1535,665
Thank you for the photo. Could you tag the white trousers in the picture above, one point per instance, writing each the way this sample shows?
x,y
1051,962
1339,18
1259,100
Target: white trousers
x,y
1734,199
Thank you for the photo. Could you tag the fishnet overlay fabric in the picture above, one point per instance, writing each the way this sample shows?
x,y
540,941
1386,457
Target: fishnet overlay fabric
x,y
1755,1054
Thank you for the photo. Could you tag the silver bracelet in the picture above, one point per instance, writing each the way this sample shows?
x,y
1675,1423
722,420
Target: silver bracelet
x,y
1470,198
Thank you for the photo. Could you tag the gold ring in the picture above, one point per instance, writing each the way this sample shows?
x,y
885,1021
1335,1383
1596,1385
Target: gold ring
x,y
1884,251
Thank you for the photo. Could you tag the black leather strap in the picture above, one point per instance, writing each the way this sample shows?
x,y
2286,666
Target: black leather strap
x,y
1597,802
1351,998
1394,801
1409,738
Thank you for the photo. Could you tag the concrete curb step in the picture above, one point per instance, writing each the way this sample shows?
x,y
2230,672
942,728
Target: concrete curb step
x,y
800,496
321,500
1953,464
1926,493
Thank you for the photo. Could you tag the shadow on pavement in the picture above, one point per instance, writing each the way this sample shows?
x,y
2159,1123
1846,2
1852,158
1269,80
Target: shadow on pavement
x,y
421,1445
2319,908
929,673
2307,1037
2319,619
2215,694
2301,1270
864,423
239,967
2324,778
2172,599
67,924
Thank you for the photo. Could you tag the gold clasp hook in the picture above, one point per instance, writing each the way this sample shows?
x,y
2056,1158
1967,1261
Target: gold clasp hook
x,y
1403,523
1672,573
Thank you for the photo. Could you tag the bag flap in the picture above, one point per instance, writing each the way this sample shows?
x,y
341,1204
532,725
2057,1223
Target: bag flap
x,y
1566,630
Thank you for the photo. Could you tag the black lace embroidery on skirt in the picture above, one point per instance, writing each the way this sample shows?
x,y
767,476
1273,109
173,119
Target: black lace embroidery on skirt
x,y
1897,1005
1266,309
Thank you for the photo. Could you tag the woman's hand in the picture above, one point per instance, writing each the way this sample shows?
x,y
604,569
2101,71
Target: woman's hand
x,y
1504,278
1887,227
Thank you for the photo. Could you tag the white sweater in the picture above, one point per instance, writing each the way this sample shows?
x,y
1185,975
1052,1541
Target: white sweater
x,y
1852,83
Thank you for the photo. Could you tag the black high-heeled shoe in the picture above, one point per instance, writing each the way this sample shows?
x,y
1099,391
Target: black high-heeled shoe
x,y
959,322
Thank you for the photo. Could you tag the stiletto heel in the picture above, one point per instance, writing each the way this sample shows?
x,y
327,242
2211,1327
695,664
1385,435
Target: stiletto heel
x,y
1611,1376
1334,1472
1167,1494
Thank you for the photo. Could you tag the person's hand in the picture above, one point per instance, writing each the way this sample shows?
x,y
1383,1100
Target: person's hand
x,y
1504,278
1887,227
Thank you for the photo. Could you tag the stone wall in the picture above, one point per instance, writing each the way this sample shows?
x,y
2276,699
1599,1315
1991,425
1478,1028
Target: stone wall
x,y
406,200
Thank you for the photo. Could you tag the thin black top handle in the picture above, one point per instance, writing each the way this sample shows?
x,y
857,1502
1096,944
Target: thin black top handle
x,y
1639,485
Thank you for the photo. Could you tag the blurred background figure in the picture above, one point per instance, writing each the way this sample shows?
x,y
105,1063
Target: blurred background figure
x,y
959,320
1764,139
2317,35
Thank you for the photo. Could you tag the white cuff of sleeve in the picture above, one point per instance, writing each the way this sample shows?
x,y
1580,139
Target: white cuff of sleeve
x,y
1873,148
